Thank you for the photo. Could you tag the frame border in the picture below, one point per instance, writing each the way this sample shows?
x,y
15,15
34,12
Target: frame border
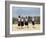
x,y
7,18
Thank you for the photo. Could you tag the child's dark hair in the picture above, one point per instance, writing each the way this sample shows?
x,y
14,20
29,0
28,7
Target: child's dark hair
x,y
19,16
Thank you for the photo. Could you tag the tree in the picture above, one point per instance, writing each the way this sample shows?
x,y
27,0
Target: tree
x,y
13,20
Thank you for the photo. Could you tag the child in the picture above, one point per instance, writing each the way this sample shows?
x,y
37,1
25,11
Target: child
x,y
19,20
22,22
26,21
33,21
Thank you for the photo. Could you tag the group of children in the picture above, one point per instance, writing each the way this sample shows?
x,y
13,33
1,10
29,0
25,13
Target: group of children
x,y
22,21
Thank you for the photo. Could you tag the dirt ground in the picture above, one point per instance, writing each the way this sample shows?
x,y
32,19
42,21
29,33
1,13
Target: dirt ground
x,y
15,27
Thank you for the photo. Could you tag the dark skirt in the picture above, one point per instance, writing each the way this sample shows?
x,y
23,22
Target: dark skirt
x,y
22,24
33,23
26,23
19,23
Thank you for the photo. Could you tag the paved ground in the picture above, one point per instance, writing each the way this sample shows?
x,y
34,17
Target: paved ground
x,y
15,27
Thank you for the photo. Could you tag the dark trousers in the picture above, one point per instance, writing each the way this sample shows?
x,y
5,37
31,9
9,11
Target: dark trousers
x,y
26,23
33,23
19,23
22,23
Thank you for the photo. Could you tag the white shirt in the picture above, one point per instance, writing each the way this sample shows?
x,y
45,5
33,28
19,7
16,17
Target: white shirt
x,y
18,19
32,19
26,19
22,20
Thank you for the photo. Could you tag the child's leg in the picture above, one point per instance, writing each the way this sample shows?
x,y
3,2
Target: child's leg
x,y
33,24
27,24
22,25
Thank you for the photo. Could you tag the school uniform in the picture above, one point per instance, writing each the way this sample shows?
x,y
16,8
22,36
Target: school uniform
x,y
26,21
33,21
19,22
22,22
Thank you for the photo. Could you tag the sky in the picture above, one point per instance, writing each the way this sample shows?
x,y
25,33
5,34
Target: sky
x,y
25,11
